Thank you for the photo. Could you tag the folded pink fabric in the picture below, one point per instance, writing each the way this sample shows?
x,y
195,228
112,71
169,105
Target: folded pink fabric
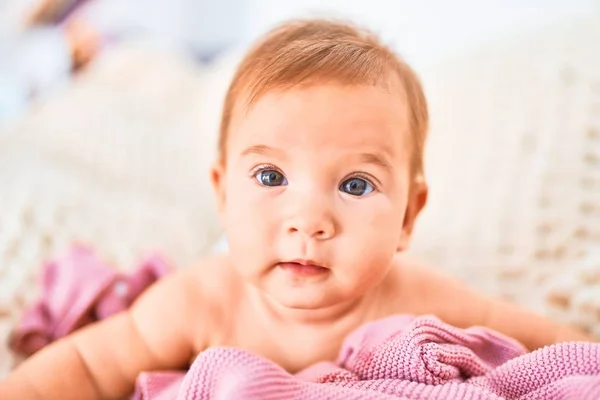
x,y
77,289
400,357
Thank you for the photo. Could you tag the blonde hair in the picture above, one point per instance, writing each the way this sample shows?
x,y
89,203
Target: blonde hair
x,y
308,52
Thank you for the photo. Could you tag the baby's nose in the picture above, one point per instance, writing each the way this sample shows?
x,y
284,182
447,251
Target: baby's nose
x,y
320,232
314,221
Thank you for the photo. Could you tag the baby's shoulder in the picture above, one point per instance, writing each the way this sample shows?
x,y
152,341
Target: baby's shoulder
x,y
208,282
210,292
409,284
213,274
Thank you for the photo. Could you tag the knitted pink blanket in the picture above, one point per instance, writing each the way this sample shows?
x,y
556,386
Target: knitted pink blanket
x,y
400,357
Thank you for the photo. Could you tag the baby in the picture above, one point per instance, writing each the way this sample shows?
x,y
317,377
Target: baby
x,y
319,183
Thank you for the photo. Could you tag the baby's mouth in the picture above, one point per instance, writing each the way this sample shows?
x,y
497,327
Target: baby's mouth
x,y
303,267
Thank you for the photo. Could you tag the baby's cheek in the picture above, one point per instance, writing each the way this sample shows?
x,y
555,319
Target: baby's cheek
x,y
378,219
245,234
374,232
249,217
367,224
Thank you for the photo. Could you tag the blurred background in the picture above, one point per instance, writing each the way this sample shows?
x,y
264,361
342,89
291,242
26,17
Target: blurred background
x,y
109,113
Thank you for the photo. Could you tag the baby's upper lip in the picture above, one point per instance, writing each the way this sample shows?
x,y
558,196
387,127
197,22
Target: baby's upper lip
x,y
305,261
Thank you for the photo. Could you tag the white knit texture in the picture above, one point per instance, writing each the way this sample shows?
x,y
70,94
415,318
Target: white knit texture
x,y
514,167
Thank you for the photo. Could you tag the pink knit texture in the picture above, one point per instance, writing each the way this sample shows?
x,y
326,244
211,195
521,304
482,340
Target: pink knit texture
x,y
400,357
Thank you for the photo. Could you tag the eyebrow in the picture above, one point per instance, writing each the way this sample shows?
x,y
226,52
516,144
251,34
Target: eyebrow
x,y
376,159
260,149
369,158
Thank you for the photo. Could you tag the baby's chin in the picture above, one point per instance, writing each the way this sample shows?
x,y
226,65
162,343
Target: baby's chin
x,y
304,292
309,295
295,299
316,297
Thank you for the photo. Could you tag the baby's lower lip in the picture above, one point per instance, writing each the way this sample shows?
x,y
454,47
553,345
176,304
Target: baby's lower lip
x,y
302,270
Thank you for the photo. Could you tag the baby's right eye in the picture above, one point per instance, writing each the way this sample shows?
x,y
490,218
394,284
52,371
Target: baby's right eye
x,y
270,177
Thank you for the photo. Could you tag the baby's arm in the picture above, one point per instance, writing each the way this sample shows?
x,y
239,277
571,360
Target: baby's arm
x,y
430,291
104,359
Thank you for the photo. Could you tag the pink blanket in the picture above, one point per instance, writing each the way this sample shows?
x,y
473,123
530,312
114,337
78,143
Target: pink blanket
x,y
400,357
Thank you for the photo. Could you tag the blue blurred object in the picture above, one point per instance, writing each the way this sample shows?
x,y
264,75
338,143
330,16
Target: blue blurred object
x,y
36,64
201,27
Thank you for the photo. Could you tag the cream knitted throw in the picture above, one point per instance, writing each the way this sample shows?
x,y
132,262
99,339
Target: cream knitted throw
x,y
514,169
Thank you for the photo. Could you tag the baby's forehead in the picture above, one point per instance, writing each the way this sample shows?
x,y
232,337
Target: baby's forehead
x,y
335,117
326,102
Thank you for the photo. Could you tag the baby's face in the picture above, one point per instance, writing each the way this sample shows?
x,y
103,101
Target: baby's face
x,y
318,176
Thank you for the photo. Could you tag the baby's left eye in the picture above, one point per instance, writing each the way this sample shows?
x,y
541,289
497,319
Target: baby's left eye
x,y
356,187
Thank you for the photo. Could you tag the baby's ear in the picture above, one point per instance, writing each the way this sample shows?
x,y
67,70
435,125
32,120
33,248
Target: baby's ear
x,y
217,178
416,202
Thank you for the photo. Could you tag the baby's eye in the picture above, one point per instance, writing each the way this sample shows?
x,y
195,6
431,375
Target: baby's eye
x,y
270,177
356,187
